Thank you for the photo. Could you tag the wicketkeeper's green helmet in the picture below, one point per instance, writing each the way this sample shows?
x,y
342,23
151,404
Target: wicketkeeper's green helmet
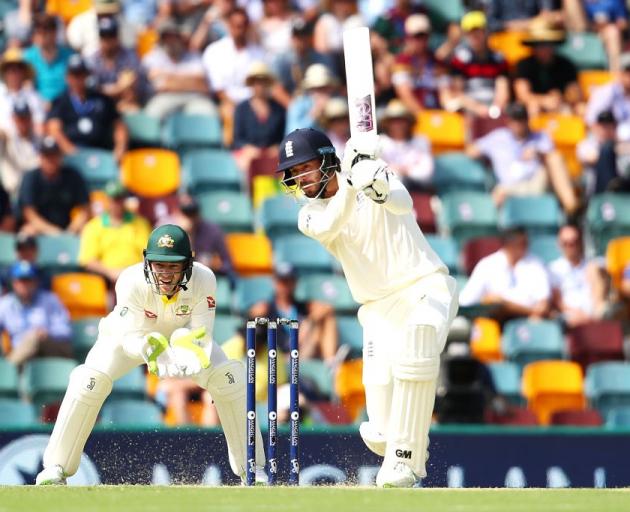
x,y
168,243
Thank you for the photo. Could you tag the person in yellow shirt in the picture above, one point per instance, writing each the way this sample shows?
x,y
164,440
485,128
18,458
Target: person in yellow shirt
x,y
114,240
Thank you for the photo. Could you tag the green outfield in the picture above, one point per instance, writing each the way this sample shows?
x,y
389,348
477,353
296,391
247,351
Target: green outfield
x,y
321,499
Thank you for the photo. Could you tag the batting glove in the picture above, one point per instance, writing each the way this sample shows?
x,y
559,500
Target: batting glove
x,y
371,177
360,149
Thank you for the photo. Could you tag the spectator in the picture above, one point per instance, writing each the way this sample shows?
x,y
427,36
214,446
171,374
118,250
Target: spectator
x,y
37,323
115,239
213,26
511,279
26,249
259,121
18,148
6,218
177,76
408,155
546,81
49,194
479,84
274,28
17,76
338,15
416,72
116,70
609,18
579,287
524,161
47,58
318,326
185,14
83,117
390,26
336,123
508,15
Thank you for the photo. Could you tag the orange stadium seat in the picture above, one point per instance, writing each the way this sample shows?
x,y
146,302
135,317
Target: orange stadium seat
x,y
551,386
590,79
67,9
251,253
83,294
445,130
151,172
509,44
617,258
146,41
566,132
485,340
349,387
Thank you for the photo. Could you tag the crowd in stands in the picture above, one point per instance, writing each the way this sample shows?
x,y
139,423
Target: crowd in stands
x,y
508,121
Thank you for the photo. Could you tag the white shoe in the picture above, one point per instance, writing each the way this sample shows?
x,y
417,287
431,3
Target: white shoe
x,y
399,475
54,475
373,439
261,477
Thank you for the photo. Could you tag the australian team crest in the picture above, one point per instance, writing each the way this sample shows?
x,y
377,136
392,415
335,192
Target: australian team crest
x,y
166,241
183,310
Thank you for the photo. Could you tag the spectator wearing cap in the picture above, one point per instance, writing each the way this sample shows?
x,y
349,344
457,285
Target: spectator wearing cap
x,y
318,325
176,76
390,25
258,121
609,18
113,240
47,58
37,323
17,76
407,154
49,194
336,123
116,70
213,26
524,161
18,147
305,110
546,81
479,83
83,117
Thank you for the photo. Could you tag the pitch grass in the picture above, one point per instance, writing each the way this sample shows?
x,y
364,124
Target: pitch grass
x,y
319,499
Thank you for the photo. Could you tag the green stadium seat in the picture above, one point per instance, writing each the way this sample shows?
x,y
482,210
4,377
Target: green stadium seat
x,y
545,247
131,386
525,341
468,214
303,253
278,216
84,334
446,249
619,417
16,413
456,171
442,13
330,288
97,166
250,290
607,385
608,217
58,253
538,214
136,413
7,250
585,50
8,379
231,210
350,334
316,372
226,326
46,379
205,170
144,130
191,130
223,295
506,376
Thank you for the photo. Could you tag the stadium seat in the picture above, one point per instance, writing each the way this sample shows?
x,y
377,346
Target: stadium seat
x,y
551,386
577,418
250,253
514,416
461,397
209,170
525,341
225,327
97,166
446,249
45,380
617,258
303,253
349,387
468,214
590,79
507,380
509,44
191,130
585,50
455,172
445,130
350,333
262,166
278,216
423,210
566,131
545,247
607,385
230,210
137,413
476,249
16,413
84,334
151,172
146,41
144,130
442,13
263,187
66,10
317,376
58,252
330,288
485,340
608,217
8,379
538,214
596,341
133,385
619,417
223,295
155,208
250,290
7,250
83,294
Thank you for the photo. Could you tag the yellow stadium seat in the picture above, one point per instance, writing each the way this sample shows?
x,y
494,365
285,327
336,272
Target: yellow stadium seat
x,y
617,258
551,386
445,130
67,9
251,253
264,187
485,340
146,41
349,387
151,172
509,44
83,294
590,79
566,132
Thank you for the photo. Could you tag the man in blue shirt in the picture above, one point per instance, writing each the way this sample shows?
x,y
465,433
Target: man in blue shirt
x,y
36,321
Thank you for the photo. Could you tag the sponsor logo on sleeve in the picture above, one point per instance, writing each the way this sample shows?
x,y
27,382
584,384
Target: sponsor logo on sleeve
x,y
150,314
212,304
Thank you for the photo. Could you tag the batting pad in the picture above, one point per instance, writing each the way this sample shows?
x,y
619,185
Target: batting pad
x,y
226,385
415,372
87,390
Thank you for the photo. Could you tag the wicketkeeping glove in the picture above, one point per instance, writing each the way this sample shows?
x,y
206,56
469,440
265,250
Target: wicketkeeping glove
x,y
188,351
157,354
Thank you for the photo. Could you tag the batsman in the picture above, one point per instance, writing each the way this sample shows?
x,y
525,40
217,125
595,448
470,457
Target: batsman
x,y
363,215
163,318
